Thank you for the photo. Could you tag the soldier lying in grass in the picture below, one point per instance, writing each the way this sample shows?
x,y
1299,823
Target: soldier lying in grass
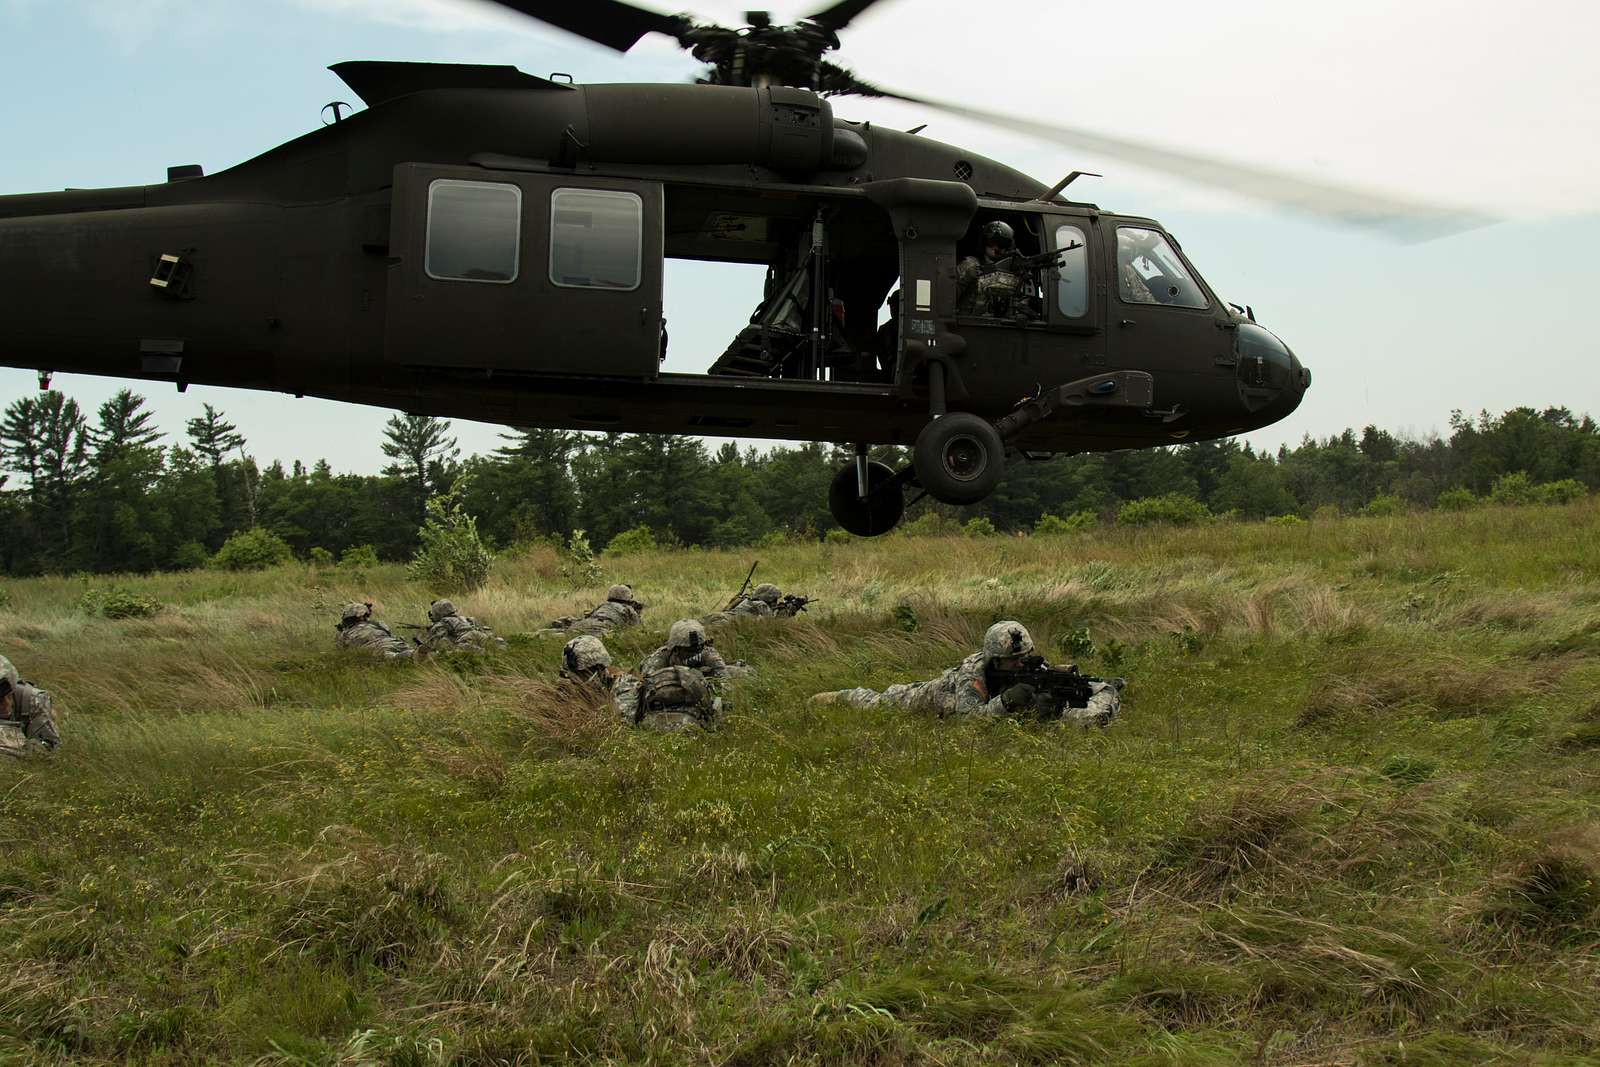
x,y
667,698
449,630
688,646
766,601
358,629
1003,678
25,714
618,611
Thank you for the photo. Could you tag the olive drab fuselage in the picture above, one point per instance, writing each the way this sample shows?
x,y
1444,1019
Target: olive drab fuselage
x,y
479,243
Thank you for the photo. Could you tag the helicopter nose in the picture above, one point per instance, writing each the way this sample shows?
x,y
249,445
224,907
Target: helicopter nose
x,y
1271,377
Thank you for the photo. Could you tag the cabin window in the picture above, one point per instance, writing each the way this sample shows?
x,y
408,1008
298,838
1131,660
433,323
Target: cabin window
x,y
1150,272
474,231
1072,272
596,237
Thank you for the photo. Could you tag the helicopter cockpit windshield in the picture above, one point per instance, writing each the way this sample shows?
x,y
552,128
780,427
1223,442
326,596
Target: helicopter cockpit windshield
x,y
1149,271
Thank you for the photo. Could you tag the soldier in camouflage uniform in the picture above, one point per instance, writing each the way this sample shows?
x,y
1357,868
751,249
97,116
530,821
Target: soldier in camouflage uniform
x,y
687,646
585,660
983,290
766,601
358,629
25,714
618,611
964,689
670,697
449,630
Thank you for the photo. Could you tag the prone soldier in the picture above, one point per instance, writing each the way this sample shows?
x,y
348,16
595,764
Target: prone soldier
x,y
618,611
358,629
994,681
765,601
688,646
26,714
448,630
673,697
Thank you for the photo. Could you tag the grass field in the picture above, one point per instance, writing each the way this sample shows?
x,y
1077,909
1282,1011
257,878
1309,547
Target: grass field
x,y
1349,816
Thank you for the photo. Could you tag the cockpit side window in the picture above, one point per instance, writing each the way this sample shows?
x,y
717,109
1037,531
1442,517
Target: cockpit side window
x,y
1150,272
1072,271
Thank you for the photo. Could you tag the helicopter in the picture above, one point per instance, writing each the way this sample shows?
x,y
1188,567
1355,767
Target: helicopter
x,y
483,243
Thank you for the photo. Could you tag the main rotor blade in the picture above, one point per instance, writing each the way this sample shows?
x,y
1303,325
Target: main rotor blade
x,y
838,16
609,22
1406,220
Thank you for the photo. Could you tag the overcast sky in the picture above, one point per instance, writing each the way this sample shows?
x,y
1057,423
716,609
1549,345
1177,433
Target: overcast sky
x,y
1481,105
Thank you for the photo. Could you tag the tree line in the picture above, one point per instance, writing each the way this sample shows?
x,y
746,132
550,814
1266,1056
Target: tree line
x,y
116,493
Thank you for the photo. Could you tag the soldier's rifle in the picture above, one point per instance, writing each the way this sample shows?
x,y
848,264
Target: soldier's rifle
x,y
1054,688
791,604
1016,263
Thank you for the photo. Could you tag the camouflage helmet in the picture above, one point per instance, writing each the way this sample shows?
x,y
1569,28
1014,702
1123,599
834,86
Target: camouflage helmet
x,y
621,593
686,633
354,612
767,593
8,676
440,609
1006,638
585,653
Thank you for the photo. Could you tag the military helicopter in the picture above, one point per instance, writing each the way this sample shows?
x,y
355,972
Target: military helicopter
x,y
483,243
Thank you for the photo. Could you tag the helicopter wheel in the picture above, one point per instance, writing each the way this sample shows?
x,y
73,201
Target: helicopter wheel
x,y
876,513
959,458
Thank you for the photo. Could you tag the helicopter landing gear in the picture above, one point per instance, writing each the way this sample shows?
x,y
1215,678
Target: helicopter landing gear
x,y
867,497
959,458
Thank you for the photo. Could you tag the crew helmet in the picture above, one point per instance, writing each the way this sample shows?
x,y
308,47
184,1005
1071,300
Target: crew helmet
x,y
623,594
1000,235
585,653
767,593
1006,638
440,609
355,612
8,676
688,634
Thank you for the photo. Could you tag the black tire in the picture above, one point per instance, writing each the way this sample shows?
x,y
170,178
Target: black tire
x,y
959,458
881,510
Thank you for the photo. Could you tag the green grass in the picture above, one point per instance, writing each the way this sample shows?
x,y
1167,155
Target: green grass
x,y
1349,816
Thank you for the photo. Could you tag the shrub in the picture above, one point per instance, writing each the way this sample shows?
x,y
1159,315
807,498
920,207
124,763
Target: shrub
x,y
1077,644
320,557
905,617
1327,513
450,554
1053,525
358,558
1284,520
775,539
1457,500
837,536
5,598
1384,504
116,602
979,527
929,524
1512,489
1563,492
1174,509
255,549
578,564
190,556
628,542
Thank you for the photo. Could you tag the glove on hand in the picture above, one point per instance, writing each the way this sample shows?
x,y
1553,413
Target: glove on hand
x,y
1018,697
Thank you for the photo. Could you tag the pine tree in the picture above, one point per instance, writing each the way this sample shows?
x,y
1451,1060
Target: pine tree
x,y
422,448
124,427
213,437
